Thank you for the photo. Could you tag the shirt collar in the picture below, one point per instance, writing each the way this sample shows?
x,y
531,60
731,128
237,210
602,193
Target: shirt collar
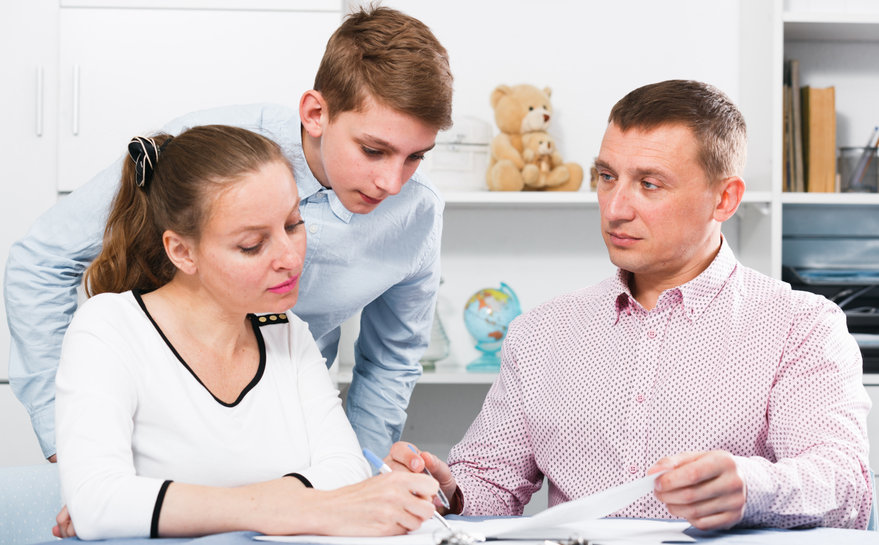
x,y
311,190
695,295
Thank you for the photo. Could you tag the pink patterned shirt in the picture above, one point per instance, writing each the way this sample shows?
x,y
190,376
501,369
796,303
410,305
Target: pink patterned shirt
x,y
594,389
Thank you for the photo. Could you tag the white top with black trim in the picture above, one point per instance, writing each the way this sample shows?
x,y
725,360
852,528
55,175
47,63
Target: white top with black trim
x,y
131,415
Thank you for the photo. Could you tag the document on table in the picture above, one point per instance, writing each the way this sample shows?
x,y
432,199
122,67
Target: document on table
x,y
578,518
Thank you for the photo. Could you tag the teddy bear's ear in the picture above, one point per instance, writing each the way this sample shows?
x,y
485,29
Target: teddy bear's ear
x,y
548,91
499,93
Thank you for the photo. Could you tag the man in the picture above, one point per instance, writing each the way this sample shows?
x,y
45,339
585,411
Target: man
x,y
381,94
749,393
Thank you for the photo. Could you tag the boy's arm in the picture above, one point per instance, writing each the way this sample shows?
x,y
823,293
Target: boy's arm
x,y
43,272
394,332
45,267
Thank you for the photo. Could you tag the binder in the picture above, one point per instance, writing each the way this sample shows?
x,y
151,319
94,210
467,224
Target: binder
x,y
819,138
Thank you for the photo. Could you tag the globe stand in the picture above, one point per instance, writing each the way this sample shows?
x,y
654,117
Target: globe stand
x,y
488,362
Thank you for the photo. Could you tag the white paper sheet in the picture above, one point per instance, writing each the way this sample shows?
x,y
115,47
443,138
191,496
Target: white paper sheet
x,y
581,517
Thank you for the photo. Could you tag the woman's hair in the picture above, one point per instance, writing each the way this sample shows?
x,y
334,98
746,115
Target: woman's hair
x,y
169,183
391,57
716,122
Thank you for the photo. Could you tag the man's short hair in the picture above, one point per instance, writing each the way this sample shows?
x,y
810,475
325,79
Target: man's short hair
x,y
391,57
716,122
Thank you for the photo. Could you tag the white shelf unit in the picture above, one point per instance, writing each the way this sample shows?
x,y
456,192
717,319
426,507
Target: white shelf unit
x,y
445,374
871,199
830,26
554,198
840,50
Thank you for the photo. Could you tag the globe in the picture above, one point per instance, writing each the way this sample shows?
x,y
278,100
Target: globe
x,y
487,315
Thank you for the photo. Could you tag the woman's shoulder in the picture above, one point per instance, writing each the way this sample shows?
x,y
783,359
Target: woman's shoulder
x,y
287,334
283,324
108,308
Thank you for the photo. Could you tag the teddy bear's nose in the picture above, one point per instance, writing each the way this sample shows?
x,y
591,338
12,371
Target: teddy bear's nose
x,y
546,118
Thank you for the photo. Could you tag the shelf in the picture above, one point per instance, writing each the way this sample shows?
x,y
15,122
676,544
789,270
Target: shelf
x,y
458,375
550,198
831,26
529,198
831,198
444,374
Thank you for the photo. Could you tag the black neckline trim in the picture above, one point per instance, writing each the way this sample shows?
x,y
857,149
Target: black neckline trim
x,y
259,341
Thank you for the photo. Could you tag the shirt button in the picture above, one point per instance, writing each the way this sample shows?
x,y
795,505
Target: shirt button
x,y
633,468
312,229
651,334
640,398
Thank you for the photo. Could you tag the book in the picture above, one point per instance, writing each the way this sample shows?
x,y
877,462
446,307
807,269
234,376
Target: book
x,y
787,137
797,127
819,138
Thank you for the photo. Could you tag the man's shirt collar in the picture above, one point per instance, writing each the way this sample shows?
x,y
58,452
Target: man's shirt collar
x,y
694,296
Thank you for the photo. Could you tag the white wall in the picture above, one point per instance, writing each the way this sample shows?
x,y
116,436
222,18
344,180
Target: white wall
x,y
589,52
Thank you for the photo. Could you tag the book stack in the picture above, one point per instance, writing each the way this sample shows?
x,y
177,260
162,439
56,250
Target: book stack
x,y
809,135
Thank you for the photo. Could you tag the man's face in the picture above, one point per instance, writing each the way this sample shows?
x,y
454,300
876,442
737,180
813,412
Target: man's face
x,y
657,206
368,155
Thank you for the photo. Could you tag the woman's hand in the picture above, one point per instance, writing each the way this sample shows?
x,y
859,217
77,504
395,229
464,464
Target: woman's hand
x,y
388,504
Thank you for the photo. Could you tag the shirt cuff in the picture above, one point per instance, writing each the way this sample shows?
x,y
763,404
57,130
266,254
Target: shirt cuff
x,y
43,422
157,509
301,478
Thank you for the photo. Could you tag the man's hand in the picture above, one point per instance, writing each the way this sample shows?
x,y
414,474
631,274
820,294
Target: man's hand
x,y
402,457
703,487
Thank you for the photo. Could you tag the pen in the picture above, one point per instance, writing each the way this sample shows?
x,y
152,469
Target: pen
x,y
383,468
443,499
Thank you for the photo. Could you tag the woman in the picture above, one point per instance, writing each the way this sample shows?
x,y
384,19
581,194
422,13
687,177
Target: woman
x,y
188,400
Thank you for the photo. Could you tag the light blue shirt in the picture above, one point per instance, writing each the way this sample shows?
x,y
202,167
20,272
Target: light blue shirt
x,y
386,263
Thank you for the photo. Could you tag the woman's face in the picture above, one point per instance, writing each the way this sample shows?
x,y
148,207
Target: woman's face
x,y
252,246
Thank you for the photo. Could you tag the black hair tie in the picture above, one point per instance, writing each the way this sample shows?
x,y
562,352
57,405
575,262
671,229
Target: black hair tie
x,y
145,154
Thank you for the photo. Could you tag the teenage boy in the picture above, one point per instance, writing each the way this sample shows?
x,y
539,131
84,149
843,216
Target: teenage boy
x,y
382,92
748,392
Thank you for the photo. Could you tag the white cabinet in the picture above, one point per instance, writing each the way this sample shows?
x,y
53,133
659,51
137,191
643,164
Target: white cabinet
x,y
87,75
127,70
28,42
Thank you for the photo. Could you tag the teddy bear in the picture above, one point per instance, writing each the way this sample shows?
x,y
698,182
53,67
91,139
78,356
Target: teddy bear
x,y
519,110
543,164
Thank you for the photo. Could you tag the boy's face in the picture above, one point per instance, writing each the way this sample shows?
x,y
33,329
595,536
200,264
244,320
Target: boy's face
x,y
366,156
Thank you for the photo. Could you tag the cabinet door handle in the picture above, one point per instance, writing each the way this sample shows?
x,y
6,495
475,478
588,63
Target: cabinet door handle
x,y
38,128
75,100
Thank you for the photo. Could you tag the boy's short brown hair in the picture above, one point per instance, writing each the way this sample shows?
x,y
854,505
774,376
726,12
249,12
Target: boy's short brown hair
x,y
716,122
382,53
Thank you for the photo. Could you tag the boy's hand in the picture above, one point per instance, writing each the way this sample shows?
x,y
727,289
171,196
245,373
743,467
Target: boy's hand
x,y
703,487
402,457
64,526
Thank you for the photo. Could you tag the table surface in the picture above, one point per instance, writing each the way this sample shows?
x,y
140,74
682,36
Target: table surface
x,y
769,536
